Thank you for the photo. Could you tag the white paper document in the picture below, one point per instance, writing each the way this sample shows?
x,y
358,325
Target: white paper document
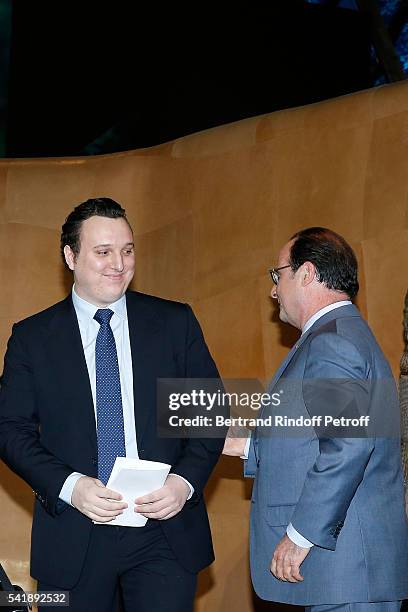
x,y
133,478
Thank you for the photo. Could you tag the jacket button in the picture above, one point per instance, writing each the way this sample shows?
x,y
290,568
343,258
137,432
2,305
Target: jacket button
x,y
94,461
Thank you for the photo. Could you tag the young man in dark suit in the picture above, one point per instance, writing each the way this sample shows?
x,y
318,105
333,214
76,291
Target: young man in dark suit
x,y
79,389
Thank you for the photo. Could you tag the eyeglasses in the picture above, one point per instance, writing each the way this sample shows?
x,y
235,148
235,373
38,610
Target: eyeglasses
x,y
274,272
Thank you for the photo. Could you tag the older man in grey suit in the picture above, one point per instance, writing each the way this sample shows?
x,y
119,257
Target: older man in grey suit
x,y
328,524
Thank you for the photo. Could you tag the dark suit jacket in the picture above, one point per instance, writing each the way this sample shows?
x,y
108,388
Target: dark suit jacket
x,y
47,425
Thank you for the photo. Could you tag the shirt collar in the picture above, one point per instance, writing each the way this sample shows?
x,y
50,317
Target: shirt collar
x,y
322,312
86,311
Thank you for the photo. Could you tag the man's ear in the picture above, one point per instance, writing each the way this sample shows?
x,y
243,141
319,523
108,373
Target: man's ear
x,y
308,273
69,257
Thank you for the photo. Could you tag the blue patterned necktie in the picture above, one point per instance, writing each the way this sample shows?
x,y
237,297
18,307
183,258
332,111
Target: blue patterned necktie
x,y
109,411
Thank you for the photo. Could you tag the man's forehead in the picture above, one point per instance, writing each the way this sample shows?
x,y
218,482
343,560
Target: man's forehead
x,y
104,229
284,253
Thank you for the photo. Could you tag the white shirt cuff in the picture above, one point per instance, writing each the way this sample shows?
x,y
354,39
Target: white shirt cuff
x,y
246,449
187,483
68,487
297,538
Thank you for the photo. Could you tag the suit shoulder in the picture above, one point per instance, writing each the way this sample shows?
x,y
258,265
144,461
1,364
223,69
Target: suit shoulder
x,y
176,316
351,339
357,332
339,337
156,303
41,318
349,329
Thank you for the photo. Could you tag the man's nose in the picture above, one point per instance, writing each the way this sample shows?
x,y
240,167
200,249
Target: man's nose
x,y
274,295
117,262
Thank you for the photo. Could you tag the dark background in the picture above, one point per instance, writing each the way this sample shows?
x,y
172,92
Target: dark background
x,y
93,77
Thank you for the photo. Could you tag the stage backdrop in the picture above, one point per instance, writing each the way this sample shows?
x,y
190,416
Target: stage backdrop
x,y
210,212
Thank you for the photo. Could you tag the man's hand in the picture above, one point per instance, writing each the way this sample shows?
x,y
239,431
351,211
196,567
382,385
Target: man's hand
x,y
235,441
92,498
287,560
165,502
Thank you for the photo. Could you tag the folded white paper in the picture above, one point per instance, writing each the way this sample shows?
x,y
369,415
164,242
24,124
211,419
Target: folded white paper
x,y
133,478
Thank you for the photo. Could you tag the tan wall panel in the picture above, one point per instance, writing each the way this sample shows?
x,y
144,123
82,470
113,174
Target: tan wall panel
x,y
222,220
340,113
168,272
388,100
386,285
35,202
387,171
162,191
320,182
232,326
29,257
209,143
210,212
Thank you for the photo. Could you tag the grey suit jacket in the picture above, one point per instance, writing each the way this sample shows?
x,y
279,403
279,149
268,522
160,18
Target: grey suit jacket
x,y
342,489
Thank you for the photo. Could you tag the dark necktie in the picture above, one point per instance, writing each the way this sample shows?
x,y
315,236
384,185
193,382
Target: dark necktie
x,y
109,411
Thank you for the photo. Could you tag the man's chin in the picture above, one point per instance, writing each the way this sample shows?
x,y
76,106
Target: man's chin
x,y
116,295
109,297
115,288
283,316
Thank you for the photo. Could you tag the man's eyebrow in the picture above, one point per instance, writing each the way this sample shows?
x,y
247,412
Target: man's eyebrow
x,y
99,246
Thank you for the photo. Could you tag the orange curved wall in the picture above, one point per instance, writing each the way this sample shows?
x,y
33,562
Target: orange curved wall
x,y
210,212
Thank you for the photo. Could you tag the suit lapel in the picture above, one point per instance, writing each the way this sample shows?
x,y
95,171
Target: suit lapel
x,y
343,311
288,359
144,345
68,365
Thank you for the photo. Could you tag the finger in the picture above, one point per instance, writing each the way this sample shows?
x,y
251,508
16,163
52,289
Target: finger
x,y
108,505
152,513
153,507
157,513
273,566
99,519
279,568
150,498
102,512
296,575
156,505
109,493
287,571
170,515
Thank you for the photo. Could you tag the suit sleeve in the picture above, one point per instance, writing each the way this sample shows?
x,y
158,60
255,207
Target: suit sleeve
x,y
199,455
20,446
336,382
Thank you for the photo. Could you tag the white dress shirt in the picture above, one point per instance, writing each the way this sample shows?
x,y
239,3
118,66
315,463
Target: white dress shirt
x,y
89,329
291,532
